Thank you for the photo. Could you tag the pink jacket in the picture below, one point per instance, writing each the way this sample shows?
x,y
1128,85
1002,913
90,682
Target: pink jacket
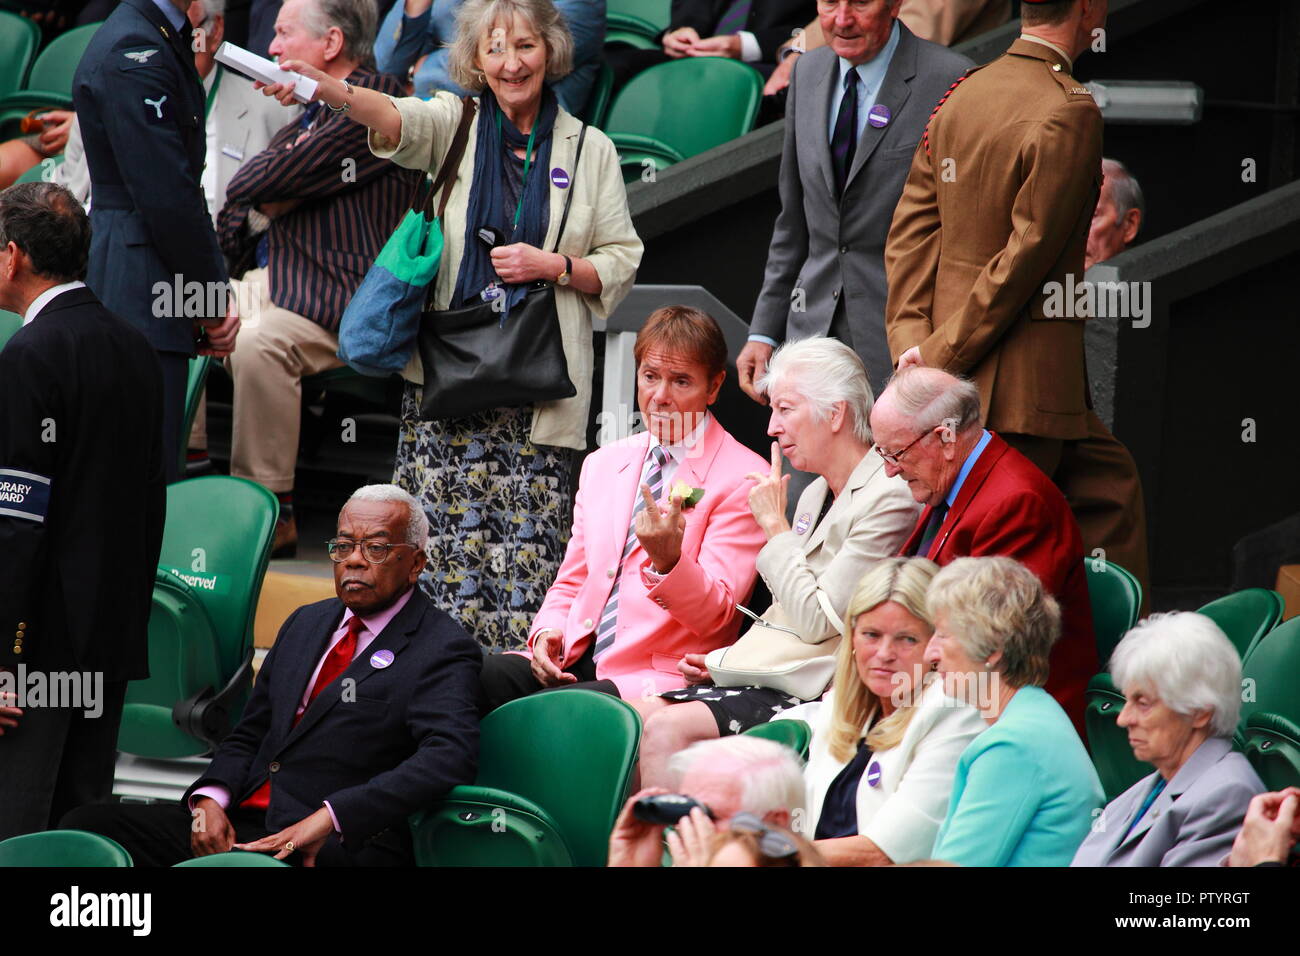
x,y
692,609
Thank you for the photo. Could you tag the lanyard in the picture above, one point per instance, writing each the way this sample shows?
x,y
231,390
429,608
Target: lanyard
x,y
528,159
212,93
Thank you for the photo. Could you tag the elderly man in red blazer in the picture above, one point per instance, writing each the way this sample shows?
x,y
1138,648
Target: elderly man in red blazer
x,y
983,497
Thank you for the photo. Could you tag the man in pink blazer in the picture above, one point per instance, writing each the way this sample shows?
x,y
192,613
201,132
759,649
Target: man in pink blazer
x,y
648,576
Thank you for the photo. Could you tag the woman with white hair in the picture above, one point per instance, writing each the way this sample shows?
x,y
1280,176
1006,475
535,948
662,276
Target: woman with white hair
x,y
852,516
537,199
1181,679
885,737
1025,790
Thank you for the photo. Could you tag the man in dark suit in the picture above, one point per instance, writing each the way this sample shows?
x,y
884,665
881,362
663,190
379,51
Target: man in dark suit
x,y
363,712
154,258
82,501
983,497
747,30
855,112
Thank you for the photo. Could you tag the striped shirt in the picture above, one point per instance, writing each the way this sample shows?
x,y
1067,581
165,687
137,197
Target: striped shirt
x,y
349,203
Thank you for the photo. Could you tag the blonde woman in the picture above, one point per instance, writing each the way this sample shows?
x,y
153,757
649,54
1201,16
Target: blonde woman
x,y
885,738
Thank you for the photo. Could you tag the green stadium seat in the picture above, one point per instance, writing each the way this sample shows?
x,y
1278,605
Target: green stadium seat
x,y
1271,675
49,84
63,848
1273,749
1107,741
1116,599
234,858
215,551
795,734
10,322
685,106
19,38
637,23
598,98
36,173
553,773
1245,616
345,381
194,382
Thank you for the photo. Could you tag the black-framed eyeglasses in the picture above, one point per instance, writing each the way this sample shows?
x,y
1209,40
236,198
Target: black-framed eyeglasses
x,y
773,844
376,552
896,457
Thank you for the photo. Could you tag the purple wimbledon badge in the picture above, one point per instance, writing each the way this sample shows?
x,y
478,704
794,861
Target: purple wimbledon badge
x,y
873,774
381,659
802,522
560,178
879,115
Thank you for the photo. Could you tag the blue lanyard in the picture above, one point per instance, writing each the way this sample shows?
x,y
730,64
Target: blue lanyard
x,y
528,159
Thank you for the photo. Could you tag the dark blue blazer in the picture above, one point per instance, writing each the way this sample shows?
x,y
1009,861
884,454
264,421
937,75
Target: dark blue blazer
x,y
378,743
139,103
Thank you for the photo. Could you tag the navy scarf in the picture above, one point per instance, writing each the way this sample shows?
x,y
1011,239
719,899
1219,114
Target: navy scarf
x,y
488,191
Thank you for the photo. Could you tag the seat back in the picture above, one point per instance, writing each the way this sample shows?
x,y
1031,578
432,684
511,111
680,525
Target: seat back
x,y
795,734
63,848
10,322
234,858
690,105
598,99
1245,616
1273,749
1116,599
19,38
571,753
1108,742
647,18
57,63
1271,674
182,661
196,378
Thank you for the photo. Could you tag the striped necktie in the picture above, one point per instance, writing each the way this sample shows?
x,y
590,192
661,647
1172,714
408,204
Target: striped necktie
x,y
652,474
932,525
734,18
844,141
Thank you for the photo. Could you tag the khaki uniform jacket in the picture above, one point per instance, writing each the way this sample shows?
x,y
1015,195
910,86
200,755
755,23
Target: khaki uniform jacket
x,y
996,209
599,230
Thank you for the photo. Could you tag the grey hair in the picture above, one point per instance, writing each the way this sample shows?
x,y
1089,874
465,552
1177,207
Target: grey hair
x,y
1188,662
771,774
824,371
1124,188
417,523
212,8
929,397
357,20
475,20
47,223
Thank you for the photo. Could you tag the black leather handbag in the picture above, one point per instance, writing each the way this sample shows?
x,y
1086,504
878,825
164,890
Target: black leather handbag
x,y
477,357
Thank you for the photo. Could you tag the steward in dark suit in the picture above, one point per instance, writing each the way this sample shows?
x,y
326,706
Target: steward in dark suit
x,y
140,106
984,498
364,711
993,218
82,503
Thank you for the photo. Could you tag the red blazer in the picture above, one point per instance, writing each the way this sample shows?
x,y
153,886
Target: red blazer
x,y
1008,507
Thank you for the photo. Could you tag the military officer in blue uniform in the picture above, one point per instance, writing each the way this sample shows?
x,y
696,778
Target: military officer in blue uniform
x,y
154,257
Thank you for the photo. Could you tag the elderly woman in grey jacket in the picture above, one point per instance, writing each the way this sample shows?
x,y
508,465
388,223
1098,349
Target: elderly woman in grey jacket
x,y
496,484
1182,680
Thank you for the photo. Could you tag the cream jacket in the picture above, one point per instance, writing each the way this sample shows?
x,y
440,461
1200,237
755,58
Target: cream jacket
x,y
599,230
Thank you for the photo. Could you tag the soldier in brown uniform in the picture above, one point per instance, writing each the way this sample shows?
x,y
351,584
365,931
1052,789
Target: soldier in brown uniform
x,y
997,206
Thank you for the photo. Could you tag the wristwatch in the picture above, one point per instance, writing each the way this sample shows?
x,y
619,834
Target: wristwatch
x,y
564,277
347,105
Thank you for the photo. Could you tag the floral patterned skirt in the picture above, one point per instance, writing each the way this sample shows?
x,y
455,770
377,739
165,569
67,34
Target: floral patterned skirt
x,y
500,511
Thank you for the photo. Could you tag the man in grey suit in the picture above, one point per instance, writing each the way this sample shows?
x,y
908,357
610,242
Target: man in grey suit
x,y
843,167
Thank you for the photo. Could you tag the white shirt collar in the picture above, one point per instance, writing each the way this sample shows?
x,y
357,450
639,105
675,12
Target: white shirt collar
x,y
1069,60
44,299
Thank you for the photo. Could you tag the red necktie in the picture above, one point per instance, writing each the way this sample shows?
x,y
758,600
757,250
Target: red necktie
x,y
336,662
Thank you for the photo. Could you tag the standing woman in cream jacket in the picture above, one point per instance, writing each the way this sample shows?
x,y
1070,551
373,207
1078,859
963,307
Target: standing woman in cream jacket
x,y
496,485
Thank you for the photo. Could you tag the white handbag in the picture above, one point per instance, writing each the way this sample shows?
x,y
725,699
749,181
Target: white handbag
x,y
772,654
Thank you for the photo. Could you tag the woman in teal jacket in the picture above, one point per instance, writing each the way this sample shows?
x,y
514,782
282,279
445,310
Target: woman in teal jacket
x,y
1025,793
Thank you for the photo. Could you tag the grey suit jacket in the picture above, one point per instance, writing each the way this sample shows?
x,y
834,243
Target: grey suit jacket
x,y
1192,823
824,247
245,122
